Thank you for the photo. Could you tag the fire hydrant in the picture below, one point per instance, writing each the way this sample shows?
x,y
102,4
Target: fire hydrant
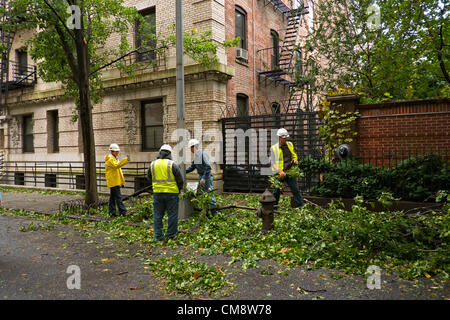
x,y
265,212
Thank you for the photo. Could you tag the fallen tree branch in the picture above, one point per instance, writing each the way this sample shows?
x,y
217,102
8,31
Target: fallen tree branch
x,y
233,206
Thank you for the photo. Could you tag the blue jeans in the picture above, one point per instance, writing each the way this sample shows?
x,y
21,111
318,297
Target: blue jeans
x,y
163,202
293,184
208,185
115,198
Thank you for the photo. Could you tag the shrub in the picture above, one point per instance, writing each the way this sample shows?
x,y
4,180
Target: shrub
x,y
413,179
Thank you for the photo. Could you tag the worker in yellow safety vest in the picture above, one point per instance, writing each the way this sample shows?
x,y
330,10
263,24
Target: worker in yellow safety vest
x,y
283,157
166,181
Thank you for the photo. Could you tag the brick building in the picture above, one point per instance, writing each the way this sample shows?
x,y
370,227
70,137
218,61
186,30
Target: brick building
x,y
140,113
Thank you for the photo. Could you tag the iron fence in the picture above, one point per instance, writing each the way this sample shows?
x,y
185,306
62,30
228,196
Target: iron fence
x,y
247,142
68,175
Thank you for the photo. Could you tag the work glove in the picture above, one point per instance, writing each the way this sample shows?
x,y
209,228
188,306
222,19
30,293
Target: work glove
x,y
128,157
202,182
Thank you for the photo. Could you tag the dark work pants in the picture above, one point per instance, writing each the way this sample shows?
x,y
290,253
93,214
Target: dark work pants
x,y
163,202
115,198
293,184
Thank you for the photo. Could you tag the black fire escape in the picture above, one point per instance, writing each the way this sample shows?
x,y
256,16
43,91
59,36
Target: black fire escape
x,y
13,74
277,63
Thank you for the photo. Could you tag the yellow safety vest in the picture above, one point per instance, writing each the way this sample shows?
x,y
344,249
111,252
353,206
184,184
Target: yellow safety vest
x,y
277,153
163,180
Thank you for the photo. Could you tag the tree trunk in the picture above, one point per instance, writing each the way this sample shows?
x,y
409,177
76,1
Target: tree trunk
x,y
87,129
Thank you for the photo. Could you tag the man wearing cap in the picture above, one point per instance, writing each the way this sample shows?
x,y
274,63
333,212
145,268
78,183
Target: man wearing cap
x,y
167,181
115,179
203,166
283,157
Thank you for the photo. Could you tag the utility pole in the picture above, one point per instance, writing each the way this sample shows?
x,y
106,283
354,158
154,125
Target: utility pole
x,y
183,211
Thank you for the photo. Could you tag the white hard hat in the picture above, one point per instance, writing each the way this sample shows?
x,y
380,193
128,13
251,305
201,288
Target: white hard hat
x,y
166,147
282,133
114,147
193,142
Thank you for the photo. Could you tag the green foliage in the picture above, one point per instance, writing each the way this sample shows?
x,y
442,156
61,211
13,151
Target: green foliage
x,y
405,57
387,199
201,46
54,45
186,276
333,238
338,126
294,172
413,179
276,182
411,243
200,200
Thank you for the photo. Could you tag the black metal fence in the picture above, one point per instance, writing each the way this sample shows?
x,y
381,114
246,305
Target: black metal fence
x,y
247,142
68,175
246,166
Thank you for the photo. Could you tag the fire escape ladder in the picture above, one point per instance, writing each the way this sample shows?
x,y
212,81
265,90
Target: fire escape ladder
x,y
6,38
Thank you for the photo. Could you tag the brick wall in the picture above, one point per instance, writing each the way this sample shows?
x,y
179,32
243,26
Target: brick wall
x,y
245,81
404,126
400,127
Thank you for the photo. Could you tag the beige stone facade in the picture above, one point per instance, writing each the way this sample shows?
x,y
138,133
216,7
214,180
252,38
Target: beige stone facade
x,y
118,118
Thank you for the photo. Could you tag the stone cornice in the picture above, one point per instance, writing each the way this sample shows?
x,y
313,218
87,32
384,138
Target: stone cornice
x,y
113,81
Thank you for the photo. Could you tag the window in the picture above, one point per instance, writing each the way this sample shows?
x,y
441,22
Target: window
x,y
2,139
80,182
22,62
27,130
298,63
274,49
242,105
242,111
50,180
52,131
276,110
19,178
241,27
152,125
146,35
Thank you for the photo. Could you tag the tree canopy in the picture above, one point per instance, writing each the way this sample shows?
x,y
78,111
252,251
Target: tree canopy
x,y
384,49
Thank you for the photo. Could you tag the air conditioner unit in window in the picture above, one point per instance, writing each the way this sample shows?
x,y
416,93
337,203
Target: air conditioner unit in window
x,y
241,54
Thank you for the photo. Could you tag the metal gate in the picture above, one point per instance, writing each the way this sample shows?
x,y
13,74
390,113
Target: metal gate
x,y
246,167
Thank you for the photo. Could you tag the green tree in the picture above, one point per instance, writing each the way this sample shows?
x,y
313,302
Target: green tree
x,y
68,53
405,54
72,54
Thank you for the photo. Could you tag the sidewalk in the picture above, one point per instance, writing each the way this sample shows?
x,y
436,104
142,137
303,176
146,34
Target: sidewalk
x,y
35,201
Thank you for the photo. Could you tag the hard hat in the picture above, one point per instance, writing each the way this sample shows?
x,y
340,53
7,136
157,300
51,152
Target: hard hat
x,y
166,147
114,147
193,142
282,133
